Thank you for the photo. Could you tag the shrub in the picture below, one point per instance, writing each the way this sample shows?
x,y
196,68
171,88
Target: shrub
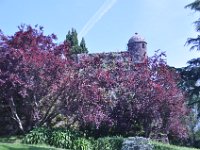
x,y
61,139
36,136
108,143
69,139
82,144
57,137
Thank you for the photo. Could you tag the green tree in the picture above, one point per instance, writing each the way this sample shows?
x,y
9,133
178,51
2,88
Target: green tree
x,y
72,39
191,74
76,49
83,46
191,81
194,5
68,37
195,42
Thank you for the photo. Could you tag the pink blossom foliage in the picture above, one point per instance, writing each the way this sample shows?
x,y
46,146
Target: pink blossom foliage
x,y
39,80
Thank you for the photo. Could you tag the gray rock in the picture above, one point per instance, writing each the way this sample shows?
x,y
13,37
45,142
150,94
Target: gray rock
x,y
136,143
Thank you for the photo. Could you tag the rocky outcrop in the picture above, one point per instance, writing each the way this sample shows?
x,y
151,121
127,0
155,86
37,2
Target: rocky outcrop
x,y
136,143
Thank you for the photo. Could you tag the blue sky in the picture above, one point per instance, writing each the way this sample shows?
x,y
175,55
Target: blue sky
x,y
107,25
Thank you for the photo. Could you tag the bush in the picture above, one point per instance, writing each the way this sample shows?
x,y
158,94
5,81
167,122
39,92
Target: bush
x,y
36,136
57,137
60,138
82,144
108,143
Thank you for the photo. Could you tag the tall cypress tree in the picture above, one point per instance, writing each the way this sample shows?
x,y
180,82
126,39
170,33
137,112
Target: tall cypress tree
x,y
72,39
68,37
83,46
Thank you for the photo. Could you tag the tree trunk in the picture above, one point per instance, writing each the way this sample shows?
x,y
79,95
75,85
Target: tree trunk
x,y
15,115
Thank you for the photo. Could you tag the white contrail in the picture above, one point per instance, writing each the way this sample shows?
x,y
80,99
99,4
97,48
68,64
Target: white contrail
x,y
107,5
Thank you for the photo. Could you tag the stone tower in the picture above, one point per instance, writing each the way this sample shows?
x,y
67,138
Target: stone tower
x,y
137,46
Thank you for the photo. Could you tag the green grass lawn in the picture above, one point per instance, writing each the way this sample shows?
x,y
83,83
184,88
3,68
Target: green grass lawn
x,y
11,139
17,146
161,146
14,143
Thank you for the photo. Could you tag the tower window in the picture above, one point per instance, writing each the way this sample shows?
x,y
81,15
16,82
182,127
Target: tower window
x,y
143,45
